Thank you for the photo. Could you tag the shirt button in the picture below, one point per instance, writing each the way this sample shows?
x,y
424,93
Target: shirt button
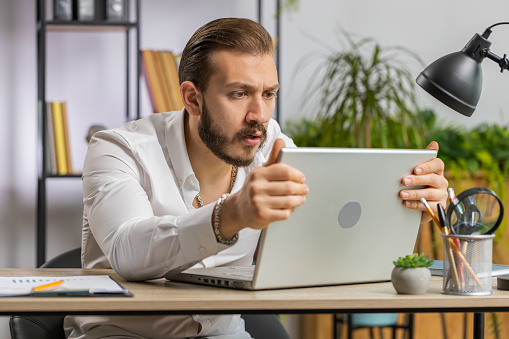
x,y
190,209
180,182
202,249
193,181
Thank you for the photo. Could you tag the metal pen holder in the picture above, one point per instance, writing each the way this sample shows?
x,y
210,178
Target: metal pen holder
x,y
467,264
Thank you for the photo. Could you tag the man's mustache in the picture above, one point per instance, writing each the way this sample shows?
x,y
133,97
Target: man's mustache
x,y
253,129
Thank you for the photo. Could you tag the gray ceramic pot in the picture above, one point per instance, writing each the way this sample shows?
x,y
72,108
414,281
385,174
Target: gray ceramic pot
x,y
412,280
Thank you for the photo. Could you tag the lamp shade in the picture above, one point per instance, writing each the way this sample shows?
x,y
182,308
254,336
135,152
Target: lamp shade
x,y
456,79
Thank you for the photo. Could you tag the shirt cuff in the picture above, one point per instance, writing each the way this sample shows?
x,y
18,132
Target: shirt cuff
x,y
196,236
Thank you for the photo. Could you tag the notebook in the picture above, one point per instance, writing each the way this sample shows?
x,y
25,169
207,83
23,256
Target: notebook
x,y
496,269
350,230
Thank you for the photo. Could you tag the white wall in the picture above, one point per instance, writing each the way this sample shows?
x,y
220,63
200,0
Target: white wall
x,y
430,28
86,70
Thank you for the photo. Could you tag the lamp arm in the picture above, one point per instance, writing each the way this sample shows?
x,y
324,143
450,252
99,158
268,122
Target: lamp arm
x,y
503,62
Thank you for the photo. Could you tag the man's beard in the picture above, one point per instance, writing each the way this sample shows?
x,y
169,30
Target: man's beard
x,y
218,142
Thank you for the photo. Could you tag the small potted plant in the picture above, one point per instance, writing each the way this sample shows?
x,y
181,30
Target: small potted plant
x,y
411,274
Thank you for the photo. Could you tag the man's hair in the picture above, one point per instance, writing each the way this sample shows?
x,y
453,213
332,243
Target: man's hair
x,y
235,34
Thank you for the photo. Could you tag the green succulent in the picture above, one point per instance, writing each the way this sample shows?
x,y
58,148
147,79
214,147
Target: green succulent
x,y
413,260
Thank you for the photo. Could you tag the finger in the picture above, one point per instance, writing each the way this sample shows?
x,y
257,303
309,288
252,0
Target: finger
x,y
414,205
433,166
283,172
433,180
430,194
279,214
283,188
284,202
433,145
276,148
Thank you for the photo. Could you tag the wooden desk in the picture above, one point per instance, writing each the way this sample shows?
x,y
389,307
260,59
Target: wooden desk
x,y
164,297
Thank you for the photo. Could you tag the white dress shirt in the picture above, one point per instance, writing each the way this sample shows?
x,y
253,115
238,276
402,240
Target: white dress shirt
x,y
138,218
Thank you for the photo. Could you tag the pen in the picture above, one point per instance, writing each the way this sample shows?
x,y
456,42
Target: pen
x,y
459,212
454,269
450,190
459,209
455,248
47,286
442,218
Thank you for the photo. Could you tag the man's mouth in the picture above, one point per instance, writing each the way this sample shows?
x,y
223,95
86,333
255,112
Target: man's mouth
x,y
252,139
254,135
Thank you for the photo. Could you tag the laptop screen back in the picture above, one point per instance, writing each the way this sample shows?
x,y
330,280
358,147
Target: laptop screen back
x,y
353,224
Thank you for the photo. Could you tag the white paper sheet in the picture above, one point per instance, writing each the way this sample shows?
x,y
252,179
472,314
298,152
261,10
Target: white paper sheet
x,y
91,284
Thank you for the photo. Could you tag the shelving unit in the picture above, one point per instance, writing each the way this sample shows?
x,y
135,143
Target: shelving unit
x,y
45,27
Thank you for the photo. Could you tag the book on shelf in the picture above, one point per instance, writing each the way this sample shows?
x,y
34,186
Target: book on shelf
x,y
58,129
165,89
68,159
85,10
152,80
59,144
117,10
161,77
172,79
63,10
112,10
51,156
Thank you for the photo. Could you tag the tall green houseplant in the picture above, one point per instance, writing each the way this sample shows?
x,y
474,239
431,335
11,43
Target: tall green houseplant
x,y
366,90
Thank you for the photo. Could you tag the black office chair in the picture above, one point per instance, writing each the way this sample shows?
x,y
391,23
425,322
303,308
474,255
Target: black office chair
x,y
48,326
260,326
265,326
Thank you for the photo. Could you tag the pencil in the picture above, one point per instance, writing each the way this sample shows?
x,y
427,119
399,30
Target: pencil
x,y
430,212
451,242
47,286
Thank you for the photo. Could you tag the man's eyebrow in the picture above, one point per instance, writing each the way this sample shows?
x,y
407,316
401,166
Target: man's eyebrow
x,y
273,88
241,85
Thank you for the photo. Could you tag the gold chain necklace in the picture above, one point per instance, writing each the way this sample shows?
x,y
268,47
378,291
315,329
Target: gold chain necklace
x,y
232,183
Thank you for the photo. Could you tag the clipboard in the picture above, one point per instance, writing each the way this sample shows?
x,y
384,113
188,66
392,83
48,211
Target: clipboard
x,y
72,286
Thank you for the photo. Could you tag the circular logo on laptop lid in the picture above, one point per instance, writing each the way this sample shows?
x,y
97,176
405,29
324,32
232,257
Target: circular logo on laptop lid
x,y
350,214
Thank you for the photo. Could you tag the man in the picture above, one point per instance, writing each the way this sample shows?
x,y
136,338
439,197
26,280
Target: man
x,y
156,190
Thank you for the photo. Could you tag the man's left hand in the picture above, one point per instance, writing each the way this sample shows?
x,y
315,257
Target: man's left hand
x,y
430,175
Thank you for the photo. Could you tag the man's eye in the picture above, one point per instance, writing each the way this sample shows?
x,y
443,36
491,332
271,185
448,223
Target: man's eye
x,y
270,95
237,95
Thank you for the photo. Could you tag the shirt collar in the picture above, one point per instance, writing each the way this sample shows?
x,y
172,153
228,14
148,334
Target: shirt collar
x,y
176,145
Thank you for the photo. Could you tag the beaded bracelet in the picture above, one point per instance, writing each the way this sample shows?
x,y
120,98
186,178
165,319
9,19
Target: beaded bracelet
x,y
217,223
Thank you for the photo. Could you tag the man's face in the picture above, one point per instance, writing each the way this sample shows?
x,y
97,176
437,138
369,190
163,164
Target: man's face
x,y
237,105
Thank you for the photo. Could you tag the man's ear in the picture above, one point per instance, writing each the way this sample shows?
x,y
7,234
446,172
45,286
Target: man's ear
x,y
191,97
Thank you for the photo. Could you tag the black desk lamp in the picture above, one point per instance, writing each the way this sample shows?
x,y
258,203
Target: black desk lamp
x,y
456,79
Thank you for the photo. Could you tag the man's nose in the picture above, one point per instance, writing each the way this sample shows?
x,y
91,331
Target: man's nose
x,y
257,112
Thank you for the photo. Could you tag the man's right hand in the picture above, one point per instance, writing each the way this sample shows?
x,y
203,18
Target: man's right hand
x,y
270,193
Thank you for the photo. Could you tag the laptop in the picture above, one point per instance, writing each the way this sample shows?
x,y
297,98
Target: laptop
x,y
350,230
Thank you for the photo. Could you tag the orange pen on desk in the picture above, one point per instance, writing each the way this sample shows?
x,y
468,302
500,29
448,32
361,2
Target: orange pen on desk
x,y
47,286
